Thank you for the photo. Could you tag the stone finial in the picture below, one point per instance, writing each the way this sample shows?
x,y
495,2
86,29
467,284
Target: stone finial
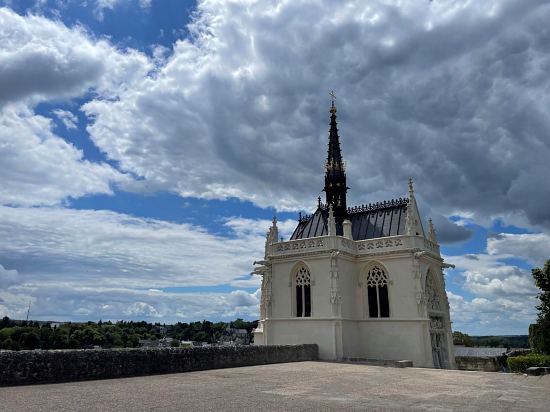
x,y
347,229
274,230
431,233
411,187
331,222
267,242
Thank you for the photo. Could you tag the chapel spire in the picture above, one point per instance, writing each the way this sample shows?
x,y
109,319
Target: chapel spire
x,y
335,174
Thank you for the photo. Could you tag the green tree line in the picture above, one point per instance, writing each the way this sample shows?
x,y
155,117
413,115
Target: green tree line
x,y
17,335
518,341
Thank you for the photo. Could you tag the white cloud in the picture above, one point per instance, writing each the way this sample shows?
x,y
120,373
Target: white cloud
x,y
502,295
533,247
457,100
144,4
7,277
490,275
107,248
40,168
491,316
102,5
86,264
68,118
74,302
43,59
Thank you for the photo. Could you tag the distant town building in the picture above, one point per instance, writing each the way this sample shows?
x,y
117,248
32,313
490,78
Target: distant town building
x,y
158,343
233,336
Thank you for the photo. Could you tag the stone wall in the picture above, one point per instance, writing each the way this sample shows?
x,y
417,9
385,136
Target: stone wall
x,y
477,363
25,367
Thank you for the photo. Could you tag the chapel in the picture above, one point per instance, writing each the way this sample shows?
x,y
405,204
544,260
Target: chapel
x,y
362,282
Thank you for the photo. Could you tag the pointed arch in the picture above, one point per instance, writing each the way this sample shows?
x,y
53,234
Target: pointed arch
x,y
300,285
375,282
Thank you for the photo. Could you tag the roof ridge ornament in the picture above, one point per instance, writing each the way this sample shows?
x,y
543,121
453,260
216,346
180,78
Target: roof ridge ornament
x,y
409,220
386,204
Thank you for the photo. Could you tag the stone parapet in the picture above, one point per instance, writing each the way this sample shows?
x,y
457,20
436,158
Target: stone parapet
x,y
478,363
49,366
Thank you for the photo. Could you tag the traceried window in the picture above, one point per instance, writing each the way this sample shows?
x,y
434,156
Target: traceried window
x,y
303,292
377,293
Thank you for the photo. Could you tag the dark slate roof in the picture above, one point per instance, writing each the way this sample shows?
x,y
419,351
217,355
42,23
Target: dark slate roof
x,y
312,226
367,221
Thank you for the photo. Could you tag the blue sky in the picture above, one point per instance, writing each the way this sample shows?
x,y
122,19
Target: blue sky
x,y
146,146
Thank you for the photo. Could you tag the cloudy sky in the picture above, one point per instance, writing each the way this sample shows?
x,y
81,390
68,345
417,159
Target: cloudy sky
x,y
145,145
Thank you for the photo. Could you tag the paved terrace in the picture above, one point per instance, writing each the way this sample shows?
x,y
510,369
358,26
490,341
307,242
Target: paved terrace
x,y
299,386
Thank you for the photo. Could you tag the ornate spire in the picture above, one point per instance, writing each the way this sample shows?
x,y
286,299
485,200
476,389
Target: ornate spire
x,y
335,174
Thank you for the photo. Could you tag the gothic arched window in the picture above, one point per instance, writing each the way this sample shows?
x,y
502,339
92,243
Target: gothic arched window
x,y
302,282
377,293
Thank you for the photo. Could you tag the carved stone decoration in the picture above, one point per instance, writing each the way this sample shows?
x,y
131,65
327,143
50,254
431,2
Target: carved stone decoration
x,y
417,275
335,293
265,271
266,246
432,296
436,323
438,331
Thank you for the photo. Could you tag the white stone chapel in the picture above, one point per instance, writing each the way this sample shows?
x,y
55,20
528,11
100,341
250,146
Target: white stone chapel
x,y
362,282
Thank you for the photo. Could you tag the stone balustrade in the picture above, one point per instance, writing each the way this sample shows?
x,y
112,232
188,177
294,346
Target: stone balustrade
x,y
360,247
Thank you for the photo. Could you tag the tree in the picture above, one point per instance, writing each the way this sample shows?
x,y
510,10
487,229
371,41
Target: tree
x,y
462,338
30,340
6,322
540,334
7,344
